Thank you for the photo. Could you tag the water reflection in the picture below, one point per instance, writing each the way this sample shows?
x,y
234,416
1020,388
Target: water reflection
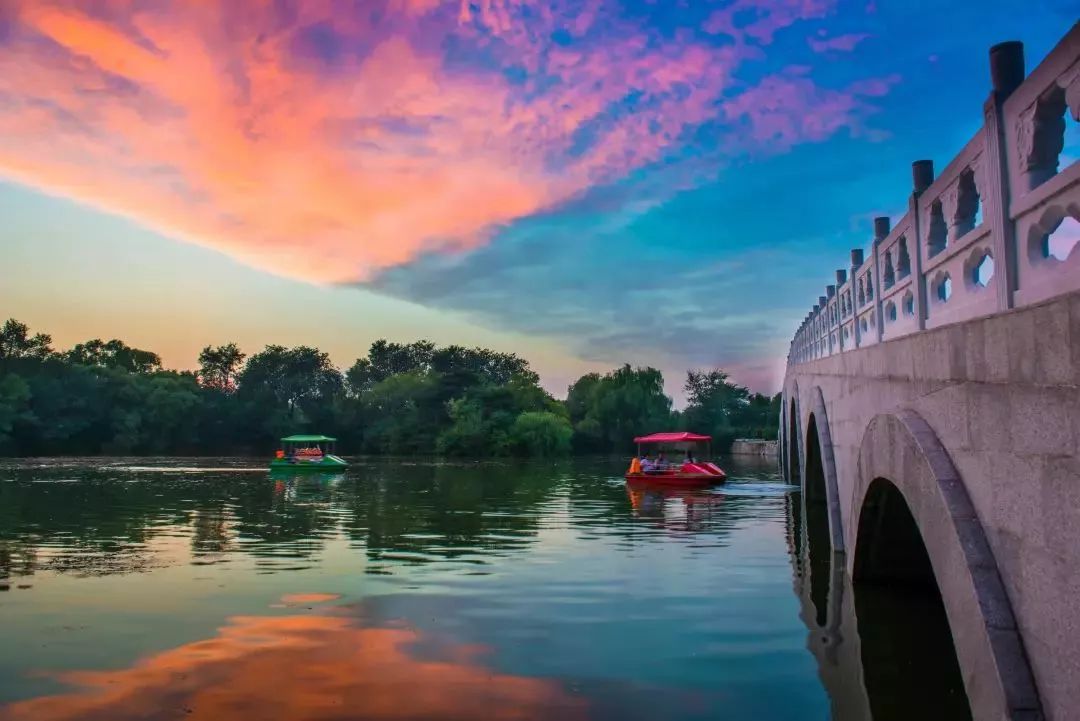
x,y
827,609
305,667
590,597
108,521
674,508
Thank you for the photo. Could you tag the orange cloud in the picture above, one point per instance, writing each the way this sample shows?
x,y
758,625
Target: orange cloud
x,y
302,668
330,160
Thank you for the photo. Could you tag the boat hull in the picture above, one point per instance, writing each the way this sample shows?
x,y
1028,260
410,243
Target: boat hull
x,y
326,463
677,478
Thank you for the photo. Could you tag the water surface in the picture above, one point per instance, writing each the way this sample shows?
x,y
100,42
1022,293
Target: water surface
x,y
205,589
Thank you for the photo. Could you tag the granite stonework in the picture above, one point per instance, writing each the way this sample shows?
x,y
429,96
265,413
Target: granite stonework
x,y
965,394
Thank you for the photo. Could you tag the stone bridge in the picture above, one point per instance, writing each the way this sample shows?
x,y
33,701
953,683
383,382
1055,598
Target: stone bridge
x,y
932,409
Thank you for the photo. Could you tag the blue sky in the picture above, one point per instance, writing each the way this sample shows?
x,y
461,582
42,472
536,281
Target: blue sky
x,y
586,183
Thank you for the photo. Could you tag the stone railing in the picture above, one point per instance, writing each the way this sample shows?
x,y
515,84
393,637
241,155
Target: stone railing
x,y
976,240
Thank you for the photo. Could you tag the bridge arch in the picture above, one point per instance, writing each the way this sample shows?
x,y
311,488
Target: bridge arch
x,y
819,474
904,469
790,430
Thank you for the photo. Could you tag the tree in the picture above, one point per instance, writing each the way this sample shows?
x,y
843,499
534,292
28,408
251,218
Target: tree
x,y
14,404
491,366
412,398
396,413
541,433
218,367
114,354
170,422
726,410
471,433
296,378
386,359
16,342
360,377
579,396
618,406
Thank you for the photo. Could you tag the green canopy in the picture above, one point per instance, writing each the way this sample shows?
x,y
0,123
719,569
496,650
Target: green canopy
x,y
307,439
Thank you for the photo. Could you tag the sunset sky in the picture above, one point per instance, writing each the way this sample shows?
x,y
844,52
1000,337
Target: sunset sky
x,y
583,182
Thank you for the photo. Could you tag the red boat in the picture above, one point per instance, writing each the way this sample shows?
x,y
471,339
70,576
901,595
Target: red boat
x,y
687,471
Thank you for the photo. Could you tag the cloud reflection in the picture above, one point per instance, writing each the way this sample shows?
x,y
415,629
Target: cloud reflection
x,y
302,668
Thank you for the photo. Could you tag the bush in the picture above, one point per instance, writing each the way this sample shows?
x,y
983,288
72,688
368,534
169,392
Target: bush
x,y
540,433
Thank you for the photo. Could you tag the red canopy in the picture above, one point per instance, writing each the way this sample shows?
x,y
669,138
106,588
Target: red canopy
x,y
679,437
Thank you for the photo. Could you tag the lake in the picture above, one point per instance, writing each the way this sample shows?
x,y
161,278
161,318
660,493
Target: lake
x,y
205,589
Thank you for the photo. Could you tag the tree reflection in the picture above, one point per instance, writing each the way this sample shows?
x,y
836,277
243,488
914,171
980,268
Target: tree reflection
x,y
108,520
448,510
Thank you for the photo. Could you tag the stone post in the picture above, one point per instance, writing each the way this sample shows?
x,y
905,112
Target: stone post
x,y
823,325
841,278
829,325
881,231
803,330
1006,74
803,337
856,263
922,176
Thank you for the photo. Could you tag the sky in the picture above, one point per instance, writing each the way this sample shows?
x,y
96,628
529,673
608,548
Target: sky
x,y
583,182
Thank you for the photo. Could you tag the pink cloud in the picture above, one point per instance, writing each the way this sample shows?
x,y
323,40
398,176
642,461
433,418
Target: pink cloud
x,y
204,120
838,43
788,108
766,17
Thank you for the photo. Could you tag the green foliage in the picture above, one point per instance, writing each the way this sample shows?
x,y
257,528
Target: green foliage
x,y
16,342
287,390
474,365
611,409
541,433
402,398
726,410
397,412
483,420
472,433
219,367
579,396
14,405
114,354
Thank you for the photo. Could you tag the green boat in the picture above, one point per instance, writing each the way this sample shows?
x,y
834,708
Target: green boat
x,y
307,453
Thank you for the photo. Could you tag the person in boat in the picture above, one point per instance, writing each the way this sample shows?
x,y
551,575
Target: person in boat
x,y
647,463
661,464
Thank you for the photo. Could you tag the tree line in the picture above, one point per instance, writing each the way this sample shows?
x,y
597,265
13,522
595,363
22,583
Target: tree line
x,y
106,397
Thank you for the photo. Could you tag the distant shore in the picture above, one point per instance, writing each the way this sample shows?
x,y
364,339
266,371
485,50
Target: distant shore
x,y
754,447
